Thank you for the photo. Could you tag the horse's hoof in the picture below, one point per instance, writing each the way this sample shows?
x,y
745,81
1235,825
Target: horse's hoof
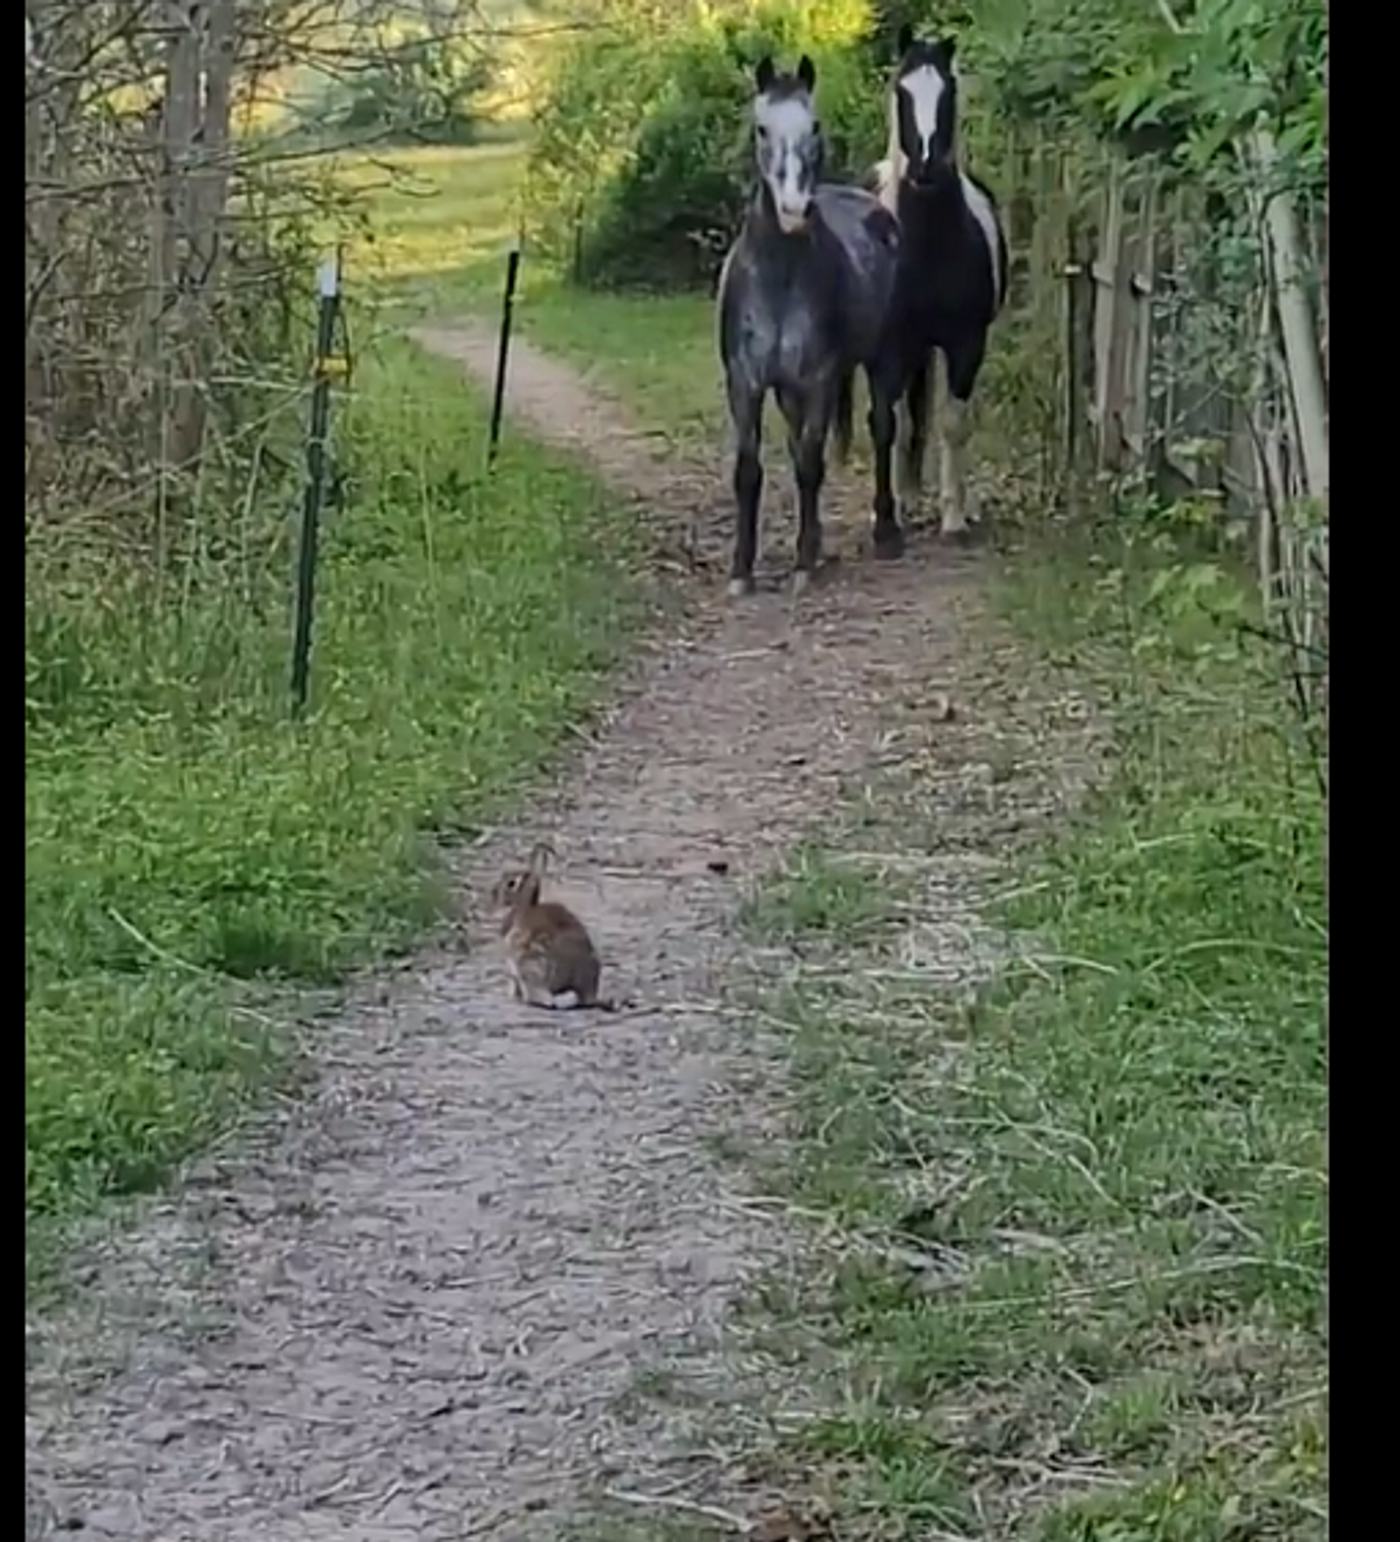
x,y
889,545
802,580
961,536
739,587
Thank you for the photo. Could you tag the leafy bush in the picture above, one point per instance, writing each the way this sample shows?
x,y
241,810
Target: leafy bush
x,y
1190,85
642,154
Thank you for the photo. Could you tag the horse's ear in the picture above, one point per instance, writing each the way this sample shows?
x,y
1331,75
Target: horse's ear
x,y
905,41
949,47
765,72
807,74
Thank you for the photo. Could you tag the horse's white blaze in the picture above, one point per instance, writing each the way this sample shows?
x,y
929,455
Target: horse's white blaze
x,y
788,125
981,209
924,87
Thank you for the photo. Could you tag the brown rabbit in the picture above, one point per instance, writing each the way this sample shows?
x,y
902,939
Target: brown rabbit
x,y
553,962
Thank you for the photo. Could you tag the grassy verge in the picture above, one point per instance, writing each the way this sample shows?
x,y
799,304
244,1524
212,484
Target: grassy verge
x,y
1082,1294
185,842
440,224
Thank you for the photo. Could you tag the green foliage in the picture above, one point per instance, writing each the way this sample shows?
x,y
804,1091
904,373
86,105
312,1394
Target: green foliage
x,y
188,848
1186,97
1176,76
641,162
420,87
642,154
1230,66
1209,70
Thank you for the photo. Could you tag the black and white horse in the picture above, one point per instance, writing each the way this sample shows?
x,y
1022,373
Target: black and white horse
x,y
803,303
951,279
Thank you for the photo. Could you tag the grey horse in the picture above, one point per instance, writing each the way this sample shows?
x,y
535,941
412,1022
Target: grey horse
x,y
803,301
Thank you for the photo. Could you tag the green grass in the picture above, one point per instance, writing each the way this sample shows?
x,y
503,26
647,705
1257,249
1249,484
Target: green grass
x,y
658,355
188,847
1110,1170
441,222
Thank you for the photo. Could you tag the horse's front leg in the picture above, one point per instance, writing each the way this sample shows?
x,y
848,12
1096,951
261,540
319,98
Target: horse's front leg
x,y
964,365
914,438
808,418
746,414
884,381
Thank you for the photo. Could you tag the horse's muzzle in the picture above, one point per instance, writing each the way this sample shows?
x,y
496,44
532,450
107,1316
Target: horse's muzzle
x,y
793,220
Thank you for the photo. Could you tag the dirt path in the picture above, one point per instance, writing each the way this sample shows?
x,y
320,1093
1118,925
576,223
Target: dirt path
x,y
410,1312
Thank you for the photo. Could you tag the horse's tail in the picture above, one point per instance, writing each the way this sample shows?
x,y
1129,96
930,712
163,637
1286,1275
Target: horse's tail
x,y
841,418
